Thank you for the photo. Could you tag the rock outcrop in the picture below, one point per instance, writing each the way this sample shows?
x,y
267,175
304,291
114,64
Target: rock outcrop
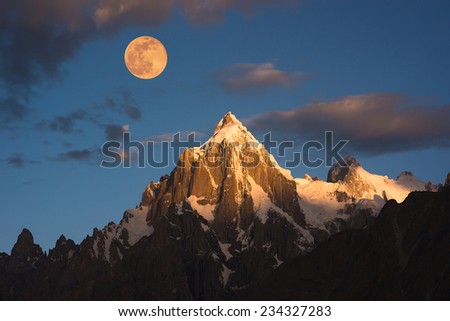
x,y
340,170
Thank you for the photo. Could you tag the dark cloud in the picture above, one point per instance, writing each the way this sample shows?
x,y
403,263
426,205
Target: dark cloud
x,y
79,154
133,112
16,160
89,156
115,132
123,103
374,123
256,77
36,38
11,110
19,161
63,124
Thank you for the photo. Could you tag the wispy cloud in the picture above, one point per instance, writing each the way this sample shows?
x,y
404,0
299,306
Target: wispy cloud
x,y
85,155
19,161
256,77
64,123
12,109
122,104
375,123
119,14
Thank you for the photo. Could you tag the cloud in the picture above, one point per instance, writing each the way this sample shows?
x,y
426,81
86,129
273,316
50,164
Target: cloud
x,y
63,123
133,112
122,104
375,123
12,109
19,161
16,160
37,36
115,132
119,14
85,155
256,77
77,154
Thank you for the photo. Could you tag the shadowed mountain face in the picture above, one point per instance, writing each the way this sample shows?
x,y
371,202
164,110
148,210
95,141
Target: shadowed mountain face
x,y
215,228
404,256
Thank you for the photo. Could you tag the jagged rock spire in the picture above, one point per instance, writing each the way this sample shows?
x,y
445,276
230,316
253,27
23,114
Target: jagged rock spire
x,y
339,170
24,243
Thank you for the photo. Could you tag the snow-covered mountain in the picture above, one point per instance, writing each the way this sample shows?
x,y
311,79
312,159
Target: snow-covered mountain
x,y
251,212
352,197
226,217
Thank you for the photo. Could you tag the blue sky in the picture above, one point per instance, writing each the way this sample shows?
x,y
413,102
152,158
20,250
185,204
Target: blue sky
x,y
65,88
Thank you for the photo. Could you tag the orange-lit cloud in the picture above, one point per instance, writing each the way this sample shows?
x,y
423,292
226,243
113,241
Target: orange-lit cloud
x,y
374,123
254,77
115,14
144,12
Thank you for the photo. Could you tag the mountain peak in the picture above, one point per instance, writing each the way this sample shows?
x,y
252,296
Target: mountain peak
x,y
61,241
405,174
25,238
227,120
25,246
230,129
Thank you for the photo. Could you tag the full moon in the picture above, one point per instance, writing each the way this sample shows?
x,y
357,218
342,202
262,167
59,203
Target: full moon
x,y
145,57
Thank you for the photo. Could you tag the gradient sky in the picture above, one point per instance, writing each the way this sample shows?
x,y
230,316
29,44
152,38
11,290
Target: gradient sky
x,y
374,72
